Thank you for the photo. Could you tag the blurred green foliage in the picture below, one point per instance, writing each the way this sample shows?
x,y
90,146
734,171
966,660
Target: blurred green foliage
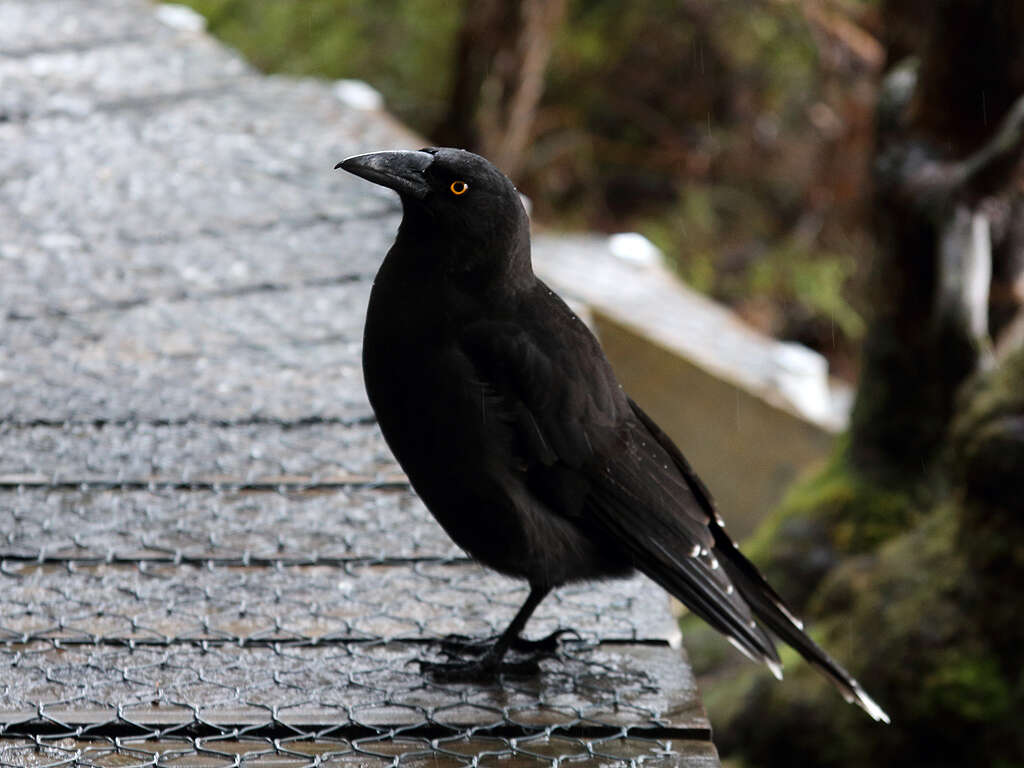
x,y
823,520
401,47
690,123
687,121
908,587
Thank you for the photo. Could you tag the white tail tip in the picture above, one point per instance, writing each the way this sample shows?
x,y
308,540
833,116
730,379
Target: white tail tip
x,y
868,704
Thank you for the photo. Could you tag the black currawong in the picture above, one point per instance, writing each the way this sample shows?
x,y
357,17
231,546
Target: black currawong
x,y
504,412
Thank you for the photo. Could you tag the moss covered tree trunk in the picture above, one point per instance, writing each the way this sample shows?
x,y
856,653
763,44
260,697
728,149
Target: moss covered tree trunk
x,y
907,551
943,172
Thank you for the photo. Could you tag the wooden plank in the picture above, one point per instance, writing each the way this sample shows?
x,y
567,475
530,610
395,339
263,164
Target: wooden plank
x,y
179,603
285,355
186,525
218,482
364,688
192,452
448,752
185,447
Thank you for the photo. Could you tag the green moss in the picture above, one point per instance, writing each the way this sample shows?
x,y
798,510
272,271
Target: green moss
x,y
709,652
916,605
903,621
929,635
404,49
988,439
831,514
971,685
992,396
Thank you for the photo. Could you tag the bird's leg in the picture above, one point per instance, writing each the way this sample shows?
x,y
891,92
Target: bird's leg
x,y
491,661
463,645
545,645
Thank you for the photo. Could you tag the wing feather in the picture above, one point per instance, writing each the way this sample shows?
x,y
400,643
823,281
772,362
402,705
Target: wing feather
x,y
596,459
578,431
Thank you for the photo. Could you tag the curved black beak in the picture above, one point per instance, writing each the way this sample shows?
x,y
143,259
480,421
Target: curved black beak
x,y
401,170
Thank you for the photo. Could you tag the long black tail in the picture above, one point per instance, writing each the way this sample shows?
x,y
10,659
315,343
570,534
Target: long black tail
x,y
771,611
765,605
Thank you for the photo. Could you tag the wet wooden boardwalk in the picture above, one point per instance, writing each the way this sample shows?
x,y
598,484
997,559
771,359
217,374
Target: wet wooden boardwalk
x,y
207,555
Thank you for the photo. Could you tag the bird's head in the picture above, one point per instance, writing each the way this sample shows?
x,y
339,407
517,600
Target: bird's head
x,y
457,202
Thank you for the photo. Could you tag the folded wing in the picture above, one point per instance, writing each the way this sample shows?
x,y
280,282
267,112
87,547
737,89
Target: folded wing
x,y
592,455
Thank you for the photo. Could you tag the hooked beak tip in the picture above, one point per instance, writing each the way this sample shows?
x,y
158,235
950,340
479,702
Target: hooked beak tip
x,y
400,170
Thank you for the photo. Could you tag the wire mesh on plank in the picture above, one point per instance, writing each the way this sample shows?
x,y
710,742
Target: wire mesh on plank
x,y
535,751
371,696
194,452
283,355
58,275
159,604
207,555
316,525
370,686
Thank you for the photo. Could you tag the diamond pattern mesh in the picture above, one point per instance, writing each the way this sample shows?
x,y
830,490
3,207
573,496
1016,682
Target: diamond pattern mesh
x,y
207,555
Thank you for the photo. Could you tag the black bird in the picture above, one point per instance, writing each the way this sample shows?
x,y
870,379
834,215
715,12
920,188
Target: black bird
x,y
506,416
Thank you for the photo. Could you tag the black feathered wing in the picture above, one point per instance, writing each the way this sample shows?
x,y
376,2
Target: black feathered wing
x,y
768,607
593,455
589,458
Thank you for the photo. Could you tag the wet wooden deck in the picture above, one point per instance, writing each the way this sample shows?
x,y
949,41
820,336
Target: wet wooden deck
x,y
207,554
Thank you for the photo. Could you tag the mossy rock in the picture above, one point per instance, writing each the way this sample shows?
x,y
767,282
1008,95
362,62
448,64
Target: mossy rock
x,y
988,438
830,518
915,640
929,622
824,519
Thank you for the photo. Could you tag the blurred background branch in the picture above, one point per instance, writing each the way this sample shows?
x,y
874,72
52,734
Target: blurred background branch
x,y
736,136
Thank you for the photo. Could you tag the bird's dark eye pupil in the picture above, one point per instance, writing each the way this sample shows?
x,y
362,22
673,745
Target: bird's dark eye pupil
x,y
458,187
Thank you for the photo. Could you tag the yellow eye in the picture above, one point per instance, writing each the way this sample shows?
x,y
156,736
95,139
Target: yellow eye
x,y
458,187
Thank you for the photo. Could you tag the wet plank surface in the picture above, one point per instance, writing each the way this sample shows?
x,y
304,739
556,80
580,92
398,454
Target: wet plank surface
x,y
445,752
207,554
162,603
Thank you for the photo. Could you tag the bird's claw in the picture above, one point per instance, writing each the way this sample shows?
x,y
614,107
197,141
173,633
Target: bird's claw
x,y
546,646
477,670
487,662
463,645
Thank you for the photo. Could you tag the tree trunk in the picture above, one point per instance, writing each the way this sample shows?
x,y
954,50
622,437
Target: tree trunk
x,y
950,234
934,465
950,135
500,61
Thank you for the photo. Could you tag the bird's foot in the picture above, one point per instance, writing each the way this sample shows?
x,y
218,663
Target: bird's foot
x,y
462,645
487,662
485,668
